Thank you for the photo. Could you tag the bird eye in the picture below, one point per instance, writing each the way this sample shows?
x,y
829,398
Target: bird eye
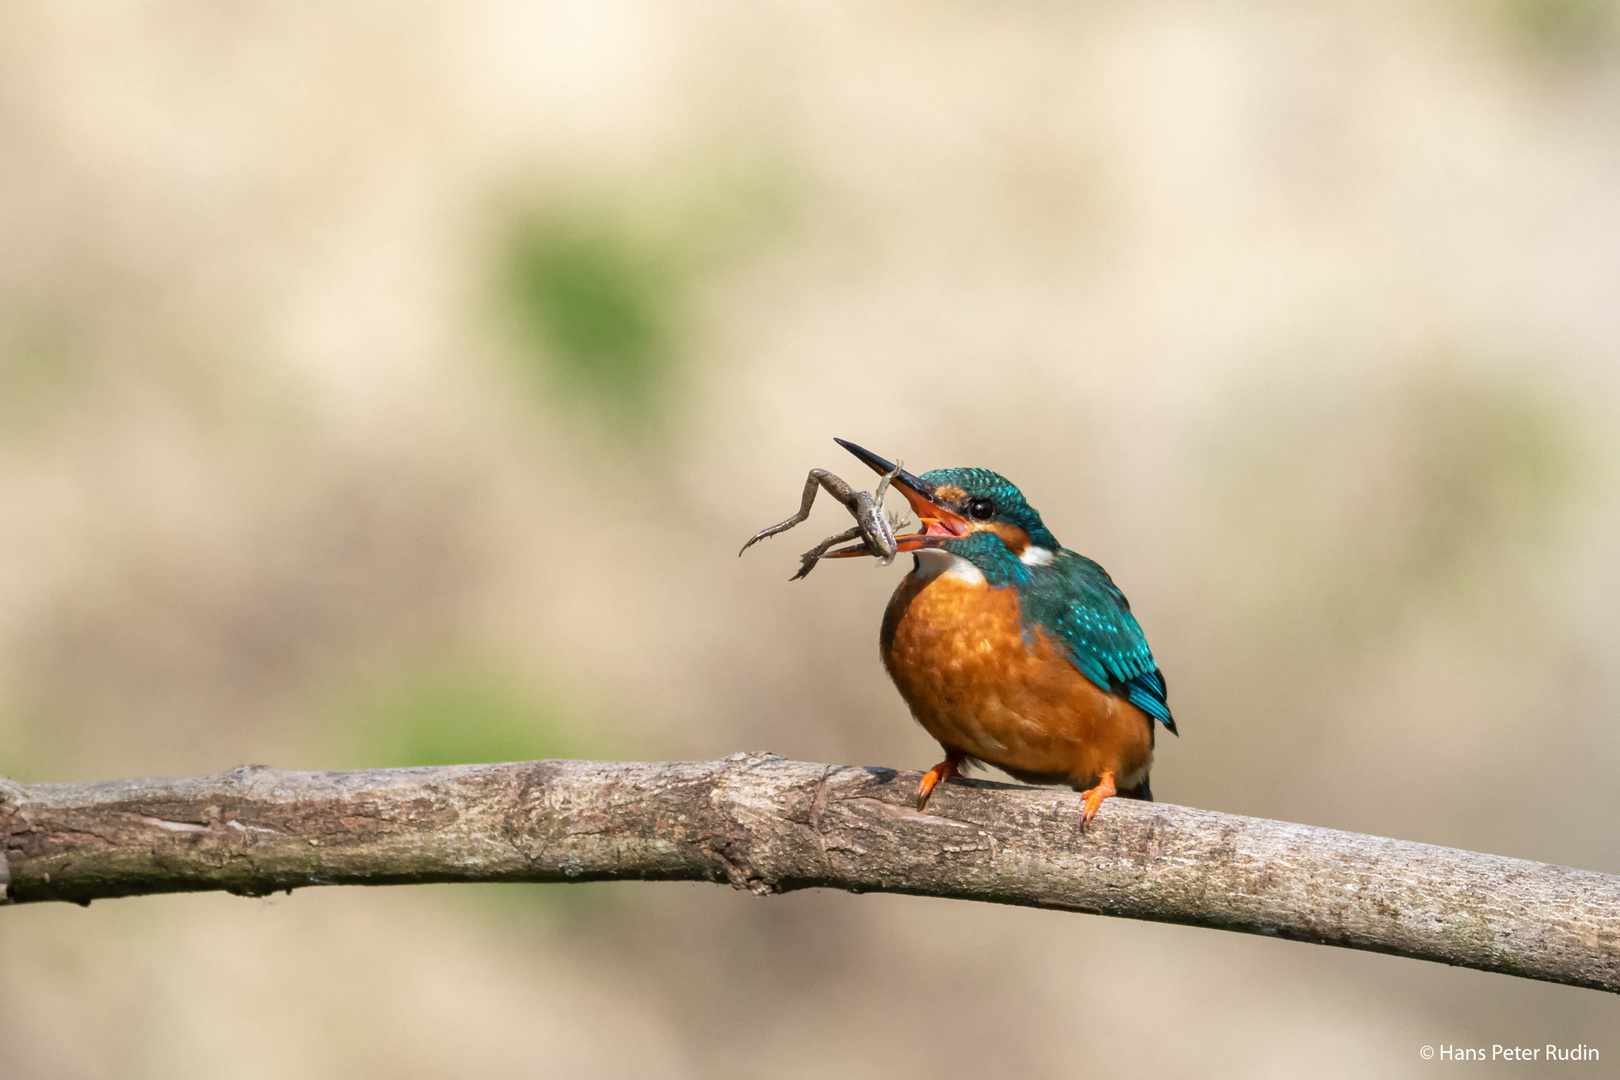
x,y
981,509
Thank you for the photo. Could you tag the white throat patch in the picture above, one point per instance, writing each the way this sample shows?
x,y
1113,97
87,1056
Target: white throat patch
x,y
937,562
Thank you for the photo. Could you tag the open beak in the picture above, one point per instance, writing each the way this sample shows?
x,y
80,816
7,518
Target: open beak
x,y
937,523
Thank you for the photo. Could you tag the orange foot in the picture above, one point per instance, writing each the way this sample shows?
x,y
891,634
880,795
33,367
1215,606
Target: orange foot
x,y
1094,797
937,776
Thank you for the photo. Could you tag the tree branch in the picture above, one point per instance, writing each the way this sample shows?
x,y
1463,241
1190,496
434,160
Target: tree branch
x,y
766,824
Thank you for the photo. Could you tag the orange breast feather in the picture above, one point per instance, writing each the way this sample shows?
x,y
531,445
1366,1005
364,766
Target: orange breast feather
x,y
959,654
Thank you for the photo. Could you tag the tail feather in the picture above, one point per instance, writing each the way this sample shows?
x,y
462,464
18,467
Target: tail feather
x,y
1148,693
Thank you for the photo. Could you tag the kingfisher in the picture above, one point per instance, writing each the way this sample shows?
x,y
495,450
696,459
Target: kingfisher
x,y
1010,649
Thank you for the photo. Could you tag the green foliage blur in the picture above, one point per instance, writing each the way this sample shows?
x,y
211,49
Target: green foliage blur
x,y
604,293
1561,28
458,712
599,306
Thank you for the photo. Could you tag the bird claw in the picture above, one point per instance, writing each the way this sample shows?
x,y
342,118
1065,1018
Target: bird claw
x,y
1094,798
935,777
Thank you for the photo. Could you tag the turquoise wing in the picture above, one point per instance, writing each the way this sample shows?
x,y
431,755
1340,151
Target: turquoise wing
x,y
1078,603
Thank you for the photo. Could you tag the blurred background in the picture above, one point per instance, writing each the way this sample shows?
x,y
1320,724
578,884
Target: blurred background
x,y
387,385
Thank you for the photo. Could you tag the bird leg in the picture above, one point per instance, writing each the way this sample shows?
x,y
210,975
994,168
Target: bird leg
x,y
872,526
938,775
1094,797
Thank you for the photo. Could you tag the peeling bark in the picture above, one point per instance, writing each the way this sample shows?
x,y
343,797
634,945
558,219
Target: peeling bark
x,y
765,824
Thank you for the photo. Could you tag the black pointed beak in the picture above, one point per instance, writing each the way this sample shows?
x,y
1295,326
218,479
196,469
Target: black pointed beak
x,y
883,467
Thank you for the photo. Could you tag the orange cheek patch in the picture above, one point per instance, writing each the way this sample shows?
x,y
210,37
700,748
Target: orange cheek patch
x,y
949,493
1016,539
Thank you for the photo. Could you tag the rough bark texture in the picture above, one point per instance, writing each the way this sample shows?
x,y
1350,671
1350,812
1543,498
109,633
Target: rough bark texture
x,y
766,824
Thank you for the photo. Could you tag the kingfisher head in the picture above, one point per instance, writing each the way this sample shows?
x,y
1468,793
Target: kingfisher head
x,y
966,512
